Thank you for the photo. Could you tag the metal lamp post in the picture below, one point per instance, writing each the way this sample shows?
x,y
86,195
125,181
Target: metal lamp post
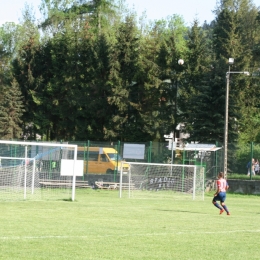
x,y
230,61
172,138
180,62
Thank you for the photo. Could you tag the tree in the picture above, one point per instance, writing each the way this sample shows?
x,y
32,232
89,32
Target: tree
x,y
175,49
198,98
227,43
243,39
98,15
11,111
124,60
95,113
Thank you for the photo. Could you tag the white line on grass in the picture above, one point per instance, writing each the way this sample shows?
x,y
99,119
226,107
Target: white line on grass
x,y
128,235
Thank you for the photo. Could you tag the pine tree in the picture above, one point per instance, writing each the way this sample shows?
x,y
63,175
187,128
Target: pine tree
x,y
240,29
95,113
227,43
125,58
176,44
11,111
197,97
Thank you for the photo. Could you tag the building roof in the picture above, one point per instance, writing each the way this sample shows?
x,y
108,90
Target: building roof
x,y
200,147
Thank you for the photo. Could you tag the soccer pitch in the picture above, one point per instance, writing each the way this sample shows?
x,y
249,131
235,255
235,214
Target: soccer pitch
x,y
101,226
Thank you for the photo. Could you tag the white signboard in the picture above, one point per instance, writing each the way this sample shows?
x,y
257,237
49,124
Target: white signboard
x,y
66,168
134,151
171,145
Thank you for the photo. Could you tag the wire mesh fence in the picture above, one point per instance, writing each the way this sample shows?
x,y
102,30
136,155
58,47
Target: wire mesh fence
x,y
105,157
209,156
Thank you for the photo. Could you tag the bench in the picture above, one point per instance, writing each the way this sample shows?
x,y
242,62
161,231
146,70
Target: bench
x,y
63,183
106,185
113,185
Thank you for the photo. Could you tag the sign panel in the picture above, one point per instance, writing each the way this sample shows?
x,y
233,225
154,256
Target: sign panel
x,y
66,168
134,151
171,145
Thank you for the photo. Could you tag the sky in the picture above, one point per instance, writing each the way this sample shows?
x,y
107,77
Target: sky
x,y
11,10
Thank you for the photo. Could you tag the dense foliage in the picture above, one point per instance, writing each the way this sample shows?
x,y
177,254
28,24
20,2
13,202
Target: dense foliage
x,y
89,70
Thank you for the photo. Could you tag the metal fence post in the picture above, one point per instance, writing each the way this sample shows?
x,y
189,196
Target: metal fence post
x,y
251,157
150,152
87,156
118,152
216,161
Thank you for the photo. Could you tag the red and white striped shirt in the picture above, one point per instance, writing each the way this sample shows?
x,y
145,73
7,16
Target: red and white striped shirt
x,y
222,185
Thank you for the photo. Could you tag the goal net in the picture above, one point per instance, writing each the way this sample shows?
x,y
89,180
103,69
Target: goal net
x,y
37,171
152,180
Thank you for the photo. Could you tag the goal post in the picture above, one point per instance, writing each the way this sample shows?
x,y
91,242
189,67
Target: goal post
x,y
148,179
34,170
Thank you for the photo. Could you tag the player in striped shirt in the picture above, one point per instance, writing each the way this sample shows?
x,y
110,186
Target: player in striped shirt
x,y
220,195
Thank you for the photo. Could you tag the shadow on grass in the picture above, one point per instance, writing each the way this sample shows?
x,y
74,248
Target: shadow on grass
x,y
181,211
67,200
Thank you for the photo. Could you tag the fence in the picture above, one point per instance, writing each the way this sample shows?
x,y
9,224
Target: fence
x,y
239,156
158,152
208,156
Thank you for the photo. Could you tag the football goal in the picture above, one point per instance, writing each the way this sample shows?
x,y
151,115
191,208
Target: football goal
x,y
152,179
38,171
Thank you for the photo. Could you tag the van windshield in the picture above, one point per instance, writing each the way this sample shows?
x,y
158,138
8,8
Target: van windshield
x,y
114,157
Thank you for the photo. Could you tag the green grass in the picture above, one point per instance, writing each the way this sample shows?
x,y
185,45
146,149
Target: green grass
x,y
100,226
243,176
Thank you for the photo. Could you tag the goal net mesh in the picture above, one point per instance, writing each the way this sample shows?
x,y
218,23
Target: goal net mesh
x,y
33,172
151,180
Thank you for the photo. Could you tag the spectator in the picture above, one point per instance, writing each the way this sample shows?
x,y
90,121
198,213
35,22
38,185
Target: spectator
x,y
251,166
256,167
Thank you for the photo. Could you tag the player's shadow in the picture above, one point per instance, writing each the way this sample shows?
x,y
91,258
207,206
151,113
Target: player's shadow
x,y
182,211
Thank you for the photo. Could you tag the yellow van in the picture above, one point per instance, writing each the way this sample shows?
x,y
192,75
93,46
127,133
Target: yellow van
x,y
101,160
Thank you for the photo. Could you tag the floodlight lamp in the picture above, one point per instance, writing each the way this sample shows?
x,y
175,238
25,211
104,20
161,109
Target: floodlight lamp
x,y
231,61
180,61
247,73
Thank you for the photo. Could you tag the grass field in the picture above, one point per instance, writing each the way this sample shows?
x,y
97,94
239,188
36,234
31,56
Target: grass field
x,y
100,226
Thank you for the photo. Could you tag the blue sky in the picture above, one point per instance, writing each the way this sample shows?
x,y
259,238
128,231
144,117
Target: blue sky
x,y
11,10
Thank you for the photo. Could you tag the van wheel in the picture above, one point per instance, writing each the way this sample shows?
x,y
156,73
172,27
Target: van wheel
x,y
109,171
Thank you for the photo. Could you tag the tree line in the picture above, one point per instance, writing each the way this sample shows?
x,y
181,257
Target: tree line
x,y
90,70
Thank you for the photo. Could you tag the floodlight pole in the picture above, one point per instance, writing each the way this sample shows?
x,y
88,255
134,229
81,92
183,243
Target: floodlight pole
x,y
231,61
180,63
226,123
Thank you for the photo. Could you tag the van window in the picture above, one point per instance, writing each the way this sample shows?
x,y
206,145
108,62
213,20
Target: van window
x,y
114,157
103,158
87,155
92,156
81,156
